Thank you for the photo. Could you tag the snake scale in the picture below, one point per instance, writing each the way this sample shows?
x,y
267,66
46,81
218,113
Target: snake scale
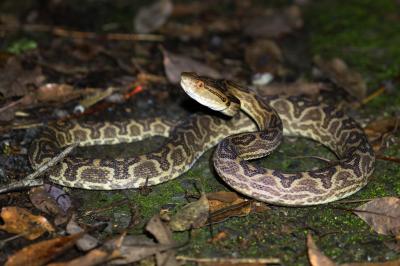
x,y
239,139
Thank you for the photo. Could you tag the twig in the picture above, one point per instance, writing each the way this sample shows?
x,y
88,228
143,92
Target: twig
x,y
46,166
373,95
388,158
58,31
30,180
231,261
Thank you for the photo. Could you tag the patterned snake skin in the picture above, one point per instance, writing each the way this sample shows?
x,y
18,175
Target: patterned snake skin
x,y
300,117
188,140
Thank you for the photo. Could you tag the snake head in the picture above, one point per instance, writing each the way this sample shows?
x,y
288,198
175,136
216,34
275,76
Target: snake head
x,y
210,92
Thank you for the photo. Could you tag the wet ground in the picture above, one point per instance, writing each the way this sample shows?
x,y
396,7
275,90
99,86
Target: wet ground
x,y
364,34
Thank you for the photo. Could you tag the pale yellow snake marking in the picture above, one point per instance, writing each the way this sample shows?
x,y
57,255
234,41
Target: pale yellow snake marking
x,y
188,140
300,117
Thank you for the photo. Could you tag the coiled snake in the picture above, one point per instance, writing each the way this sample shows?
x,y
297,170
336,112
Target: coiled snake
x,y
239,140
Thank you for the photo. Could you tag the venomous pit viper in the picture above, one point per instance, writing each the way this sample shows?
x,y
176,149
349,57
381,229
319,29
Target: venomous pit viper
x,y
239,139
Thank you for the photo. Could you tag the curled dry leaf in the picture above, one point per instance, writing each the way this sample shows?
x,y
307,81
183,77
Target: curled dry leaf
x,y
293,89
20,221
42,252
340,74
150,18
275,23
52,200
192,215
175,64
221,209
380,130
382,214
264,56
316,257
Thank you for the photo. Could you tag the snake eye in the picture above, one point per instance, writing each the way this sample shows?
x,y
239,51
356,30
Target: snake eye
x,y
200,84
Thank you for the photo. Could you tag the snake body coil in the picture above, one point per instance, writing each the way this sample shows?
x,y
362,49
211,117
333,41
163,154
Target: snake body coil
x,y
238,138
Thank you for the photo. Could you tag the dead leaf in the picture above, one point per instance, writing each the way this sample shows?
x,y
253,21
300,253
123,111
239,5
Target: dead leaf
x,y
15,80
264,56
150,18
52,200
192,215
42,252
175,64
380,130
163,235
292,89
20,221
382,214
110,250
224,205
316,257
135,248
340,74
86,242
275,23
7,112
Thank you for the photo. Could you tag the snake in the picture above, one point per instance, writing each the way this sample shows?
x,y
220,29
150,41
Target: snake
x,y
250,127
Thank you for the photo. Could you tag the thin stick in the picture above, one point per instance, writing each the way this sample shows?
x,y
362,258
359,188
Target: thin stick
x,y
231,261
373,95
388,158
58,31
30,180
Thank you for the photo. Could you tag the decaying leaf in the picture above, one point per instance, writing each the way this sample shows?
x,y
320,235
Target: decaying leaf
x,y
52,200
275,23
42,252
110,250
292,89
54,92
175,64
20,221
316,257
340,74
15,80
135,248
380,130
86,242
264,56
229,204
382,214
163,235
192,215
150,18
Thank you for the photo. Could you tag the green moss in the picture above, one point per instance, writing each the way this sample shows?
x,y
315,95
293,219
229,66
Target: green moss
x,y
21,46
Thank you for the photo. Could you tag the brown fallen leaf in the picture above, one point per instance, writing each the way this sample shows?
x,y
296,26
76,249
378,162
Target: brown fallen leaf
x,y
110,250
53,92
292,89
86,242
150,18
15,80
163,235
274,23
136,248
340,74
224,205
315,256
192,215
175,64
20,221
382,214
52,200
264,56
380,130
42,252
